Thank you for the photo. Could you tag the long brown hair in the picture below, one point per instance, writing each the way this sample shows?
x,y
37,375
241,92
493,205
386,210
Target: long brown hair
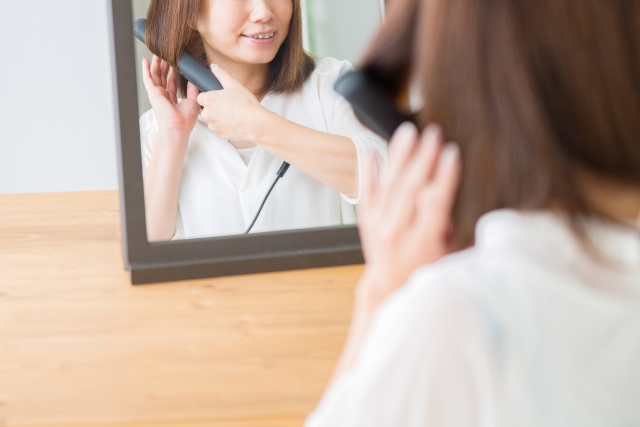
x,y
171,30
532,91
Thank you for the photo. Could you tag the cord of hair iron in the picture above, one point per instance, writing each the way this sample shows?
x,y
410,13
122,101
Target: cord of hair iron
x,y
283,169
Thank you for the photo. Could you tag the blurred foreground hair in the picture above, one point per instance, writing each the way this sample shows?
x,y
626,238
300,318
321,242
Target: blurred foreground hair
x,y
534,92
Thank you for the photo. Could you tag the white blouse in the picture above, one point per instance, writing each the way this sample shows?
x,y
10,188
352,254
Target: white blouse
x,y
523,329
220,194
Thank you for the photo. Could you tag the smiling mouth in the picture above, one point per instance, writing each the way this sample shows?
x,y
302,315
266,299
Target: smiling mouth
x,y
260,36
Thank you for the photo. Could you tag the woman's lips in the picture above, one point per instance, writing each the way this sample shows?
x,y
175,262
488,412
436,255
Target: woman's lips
x,y
265,38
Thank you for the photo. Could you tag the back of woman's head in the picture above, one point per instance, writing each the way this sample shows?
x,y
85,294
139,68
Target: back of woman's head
x,y
534,92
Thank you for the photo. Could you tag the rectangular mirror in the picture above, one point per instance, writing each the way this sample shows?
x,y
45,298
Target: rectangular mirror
x,y
202,189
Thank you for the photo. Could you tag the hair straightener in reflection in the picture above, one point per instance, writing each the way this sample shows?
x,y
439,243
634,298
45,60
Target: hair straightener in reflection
x,y
202,78
188,66
372,104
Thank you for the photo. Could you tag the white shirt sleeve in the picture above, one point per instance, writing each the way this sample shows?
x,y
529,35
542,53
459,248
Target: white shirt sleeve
x,y
343,121
425,362
148,129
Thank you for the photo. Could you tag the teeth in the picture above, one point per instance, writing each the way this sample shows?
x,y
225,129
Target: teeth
x,y
263,36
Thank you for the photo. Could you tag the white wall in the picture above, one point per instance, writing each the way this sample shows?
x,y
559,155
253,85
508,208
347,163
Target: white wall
x,y
56,114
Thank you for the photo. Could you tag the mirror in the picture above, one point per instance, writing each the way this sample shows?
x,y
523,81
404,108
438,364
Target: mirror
x,y
220,170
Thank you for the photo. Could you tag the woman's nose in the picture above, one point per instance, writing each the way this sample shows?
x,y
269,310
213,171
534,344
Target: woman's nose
x,y
261,11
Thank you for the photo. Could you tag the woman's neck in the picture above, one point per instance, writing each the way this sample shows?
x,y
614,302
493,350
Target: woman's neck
x,y
251,76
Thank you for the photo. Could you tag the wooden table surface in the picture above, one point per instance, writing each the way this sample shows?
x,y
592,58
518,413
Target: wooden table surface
x,y
79,346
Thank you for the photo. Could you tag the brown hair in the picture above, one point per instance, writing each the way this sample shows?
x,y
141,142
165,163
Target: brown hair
x,y
171,30
532,91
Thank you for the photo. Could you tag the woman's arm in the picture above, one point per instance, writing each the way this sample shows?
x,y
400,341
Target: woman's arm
x,y
331,159
162,185
175,123
236,115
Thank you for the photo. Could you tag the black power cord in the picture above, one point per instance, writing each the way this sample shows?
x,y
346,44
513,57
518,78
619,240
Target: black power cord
x,y
283,169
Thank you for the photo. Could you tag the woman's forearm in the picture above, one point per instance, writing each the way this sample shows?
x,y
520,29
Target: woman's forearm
x,y
331,159
162,185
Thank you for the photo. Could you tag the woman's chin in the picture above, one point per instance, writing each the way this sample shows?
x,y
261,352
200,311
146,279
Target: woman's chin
x,y
258,57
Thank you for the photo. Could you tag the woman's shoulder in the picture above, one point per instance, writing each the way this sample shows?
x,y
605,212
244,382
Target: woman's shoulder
x,y
523,266
331,67
488,283
321,81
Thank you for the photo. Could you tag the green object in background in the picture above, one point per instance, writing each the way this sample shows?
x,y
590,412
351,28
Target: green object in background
x,y
308,19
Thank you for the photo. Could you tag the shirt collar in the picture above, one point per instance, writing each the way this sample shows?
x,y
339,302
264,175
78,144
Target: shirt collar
x,y
550,232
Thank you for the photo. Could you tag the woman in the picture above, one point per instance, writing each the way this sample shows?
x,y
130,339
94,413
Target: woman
x,y
534,319
206,174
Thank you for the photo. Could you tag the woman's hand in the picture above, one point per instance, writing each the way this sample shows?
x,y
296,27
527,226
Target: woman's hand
x,y
232,113
175,118
404,217
175,123
404,221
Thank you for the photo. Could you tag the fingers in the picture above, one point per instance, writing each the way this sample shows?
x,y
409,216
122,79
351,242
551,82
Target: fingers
x,y
416,174
205,98
225,78
421,167
147,79
192,92
447,177
172,86
157,94
432,140
155,71
402,146
435,203
164,71
159,71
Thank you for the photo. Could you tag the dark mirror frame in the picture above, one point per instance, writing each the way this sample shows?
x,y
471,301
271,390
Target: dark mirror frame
x,y
197,258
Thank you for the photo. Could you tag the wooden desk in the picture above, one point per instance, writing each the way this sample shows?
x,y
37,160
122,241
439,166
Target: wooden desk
x,y
79,346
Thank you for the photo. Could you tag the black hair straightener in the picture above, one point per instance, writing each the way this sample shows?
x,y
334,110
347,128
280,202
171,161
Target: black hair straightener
x,y
188,66
372,104
202,78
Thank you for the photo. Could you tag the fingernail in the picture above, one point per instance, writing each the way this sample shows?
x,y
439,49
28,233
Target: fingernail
x,y
213,67
450,155
405,133
432,133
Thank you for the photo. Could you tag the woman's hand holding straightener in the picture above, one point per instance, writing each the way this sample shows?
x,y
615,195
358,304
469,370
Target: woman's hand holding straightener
x,y
234,113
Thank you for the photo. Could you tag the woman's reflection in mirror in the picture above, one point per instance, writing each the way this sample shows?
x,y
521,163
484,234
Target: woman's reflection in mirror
x,y
209,158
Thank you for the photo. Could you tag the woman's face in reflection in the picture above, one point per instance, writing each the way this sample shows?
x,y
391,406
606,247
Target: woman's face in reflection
x,y
246,31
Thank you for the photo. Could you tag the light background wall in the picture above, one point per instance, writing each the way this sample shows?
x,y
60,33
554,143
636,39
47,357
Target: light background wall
x,y
56,107
341,28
